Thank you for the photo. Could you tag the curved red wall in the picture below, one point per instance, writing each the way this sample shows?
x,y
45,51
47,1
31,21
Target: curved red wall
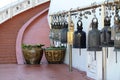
x,y
9,31
35,31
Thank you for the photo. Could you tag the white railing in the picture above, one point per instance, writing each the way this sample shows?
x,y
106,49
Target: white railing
x,y
18,7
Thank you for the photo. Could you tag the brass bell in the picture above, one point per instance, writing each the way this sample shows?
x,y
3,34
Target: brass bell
x,y
94,37
70,33
79,40
106,34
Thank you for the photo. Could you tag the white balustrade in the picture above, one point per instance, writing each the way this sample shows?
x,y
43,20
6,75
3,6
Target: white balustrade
x,y
13,9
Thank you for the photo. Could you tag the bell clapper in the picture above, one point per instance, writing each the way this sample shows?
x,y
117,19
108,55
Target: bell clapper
x,y
66,45
80,45
95,55
80,51
107,51
116,56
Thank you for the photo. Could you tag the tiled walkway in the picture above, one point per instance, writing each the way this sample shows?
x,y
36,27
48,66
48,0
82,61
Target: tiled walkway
x,y
39,72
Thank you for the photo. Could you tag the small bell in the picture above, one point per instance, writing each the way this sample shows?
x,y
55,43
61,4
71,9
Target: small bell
x,y
79,40
94,37
63,32
51,34
56,31
106,34
117,34
116,24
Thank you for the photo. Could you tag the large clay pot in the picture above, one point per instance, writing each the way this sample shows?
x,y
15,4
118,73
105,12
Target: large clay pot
x,y
55,55
33,56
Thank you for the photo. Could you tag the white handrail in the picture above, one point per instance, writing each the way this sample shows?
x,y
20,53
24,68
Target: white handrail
x,y
18,7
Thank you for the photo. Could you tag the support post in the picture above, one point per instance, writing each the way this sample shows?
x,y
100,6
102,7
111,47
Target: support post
x,y
70,40
104,66
104,52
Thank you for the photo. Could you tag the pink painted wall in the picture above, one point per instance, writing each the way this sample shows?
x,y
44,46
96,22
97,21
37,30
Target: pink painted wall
x,y
38,31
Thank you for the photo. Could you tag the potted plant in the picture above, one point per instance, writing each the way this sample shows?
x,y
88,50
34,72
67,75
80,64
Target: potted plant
x,y
55,55
32,53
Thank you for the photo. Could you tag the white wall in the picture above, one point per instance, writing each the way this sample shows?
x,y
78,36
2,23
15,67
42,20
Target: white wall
x,y
85,61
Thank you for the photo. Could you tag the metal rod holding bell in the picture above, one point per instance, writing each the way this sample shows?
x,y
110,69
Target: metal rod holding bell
x,y
104,51
70,39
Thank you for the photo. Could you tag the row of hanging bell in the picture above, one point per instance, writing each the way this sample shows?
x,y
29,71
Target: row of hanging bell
x,y
59,32
107,37
58,22
96,38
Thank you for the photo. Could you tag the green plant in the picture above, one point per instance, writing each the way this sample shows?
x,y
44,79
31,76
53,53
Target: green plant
x,y
57,48
30,46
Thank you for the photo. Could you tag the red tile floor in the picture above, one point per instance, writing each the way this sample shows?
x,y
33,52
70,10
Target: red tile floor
x,y
40,72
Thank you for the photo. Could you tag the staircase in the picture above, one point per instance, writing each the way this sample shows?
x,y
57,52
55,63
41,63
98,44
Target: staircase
x,y
9,32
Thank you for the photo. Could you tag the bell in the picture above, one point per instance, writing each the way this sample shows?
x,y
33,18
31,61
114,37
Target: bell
x,y
53,24
117,41
106,34
79,40
63,32
117,33
55,33
116,24
70,33
51,34
94,37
